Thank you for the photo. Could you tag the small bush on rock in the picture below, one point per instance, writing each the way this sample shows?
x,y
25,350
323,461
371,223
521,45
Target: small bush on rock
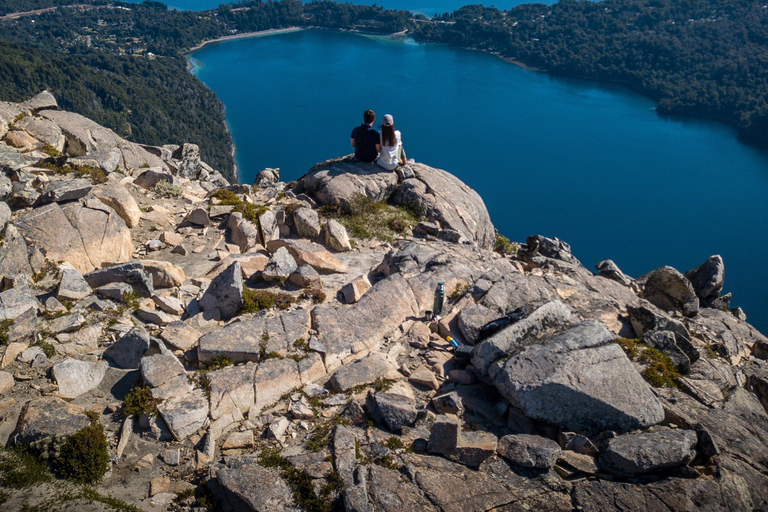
x,y
139,400
250,211
5,331
256,300
368,219
168,189
504,246
660,371
84,455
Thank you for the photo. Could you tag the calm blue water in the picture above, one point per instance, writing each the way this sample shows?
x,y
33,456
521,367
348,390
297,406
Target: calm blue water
x,y
591,164
426,7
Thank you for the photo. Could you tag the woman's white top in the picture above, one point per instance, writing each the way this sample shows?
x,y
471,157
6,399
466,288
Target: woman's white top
x,y
389,158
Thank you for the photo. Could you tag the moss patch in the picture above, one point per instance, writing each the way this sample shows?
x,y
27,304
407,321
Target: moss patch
x,y
659,369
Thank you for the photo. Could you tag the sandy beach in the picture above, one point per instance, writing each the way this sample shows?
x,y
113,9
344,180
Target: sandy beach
x,y
245,35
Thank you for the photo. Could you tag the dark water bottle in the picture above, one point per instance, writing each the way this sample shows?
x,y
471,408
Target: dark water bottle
x,y
437,308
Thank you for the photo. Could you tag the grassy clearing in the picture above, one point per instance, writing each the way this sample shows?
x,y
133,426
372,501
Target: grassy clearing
x,y
367,219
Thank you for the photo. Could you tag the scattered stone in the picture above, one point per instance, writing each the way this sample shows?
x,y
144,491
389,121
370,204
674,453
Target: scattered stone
x,y
392,410
77,377
171,456
609,270
237,476
239,440
73,286
132,273
129,349
336,236
281,265
159,485
449,403
48,416
199,217
445,434
578,461
164,274
65,190
307,223
16,301
224,296
67,323
637,454
268,224
424,377
6,382
155,317
306,277
529,451
266,178
152,176
180,336
185,414
115,291
114,195
12,351
310,253
277,429
170,305
355,289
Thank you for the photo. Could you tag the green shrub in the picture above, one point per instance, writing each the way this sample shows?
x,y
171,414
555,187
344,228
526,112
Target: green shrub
x,y
250,211
459,292
504,246
394,443
139,400
47,348
630,346
84,455
131,300
659,371
168,189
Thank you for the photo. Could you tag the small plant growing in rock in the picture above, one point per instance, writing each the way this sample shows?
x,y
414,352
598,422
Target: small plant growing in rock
x,y
459,291
630,346
315,295
394,443
660,371
250,211
47,348
505,247
301,344
217,362
368,219
131,300
97,175
168,189
5,330
50,150
84,457
48,268
139,400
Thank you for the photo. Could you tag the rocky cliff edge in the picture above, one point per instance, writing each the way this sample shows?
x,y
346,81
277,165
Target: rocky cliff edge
x,y
266,347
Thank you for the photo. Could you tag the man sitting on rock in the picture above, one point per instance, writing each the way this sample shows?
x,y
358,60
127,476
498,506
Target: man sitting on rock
x,y
365,139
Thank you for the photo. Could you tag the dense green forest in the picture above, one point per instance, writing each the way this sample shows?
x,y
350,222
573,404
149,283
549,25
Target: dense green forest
x,y
122,64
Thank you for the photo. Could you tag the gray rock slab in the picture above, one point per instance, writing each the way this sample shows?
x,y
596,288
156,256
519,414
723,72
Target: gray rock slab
x,y
580,380
16,301
362,372
48,416
529,451
180,336
708,278
231,390
272,494
132,273
670,290
307,223
392,410
273,379
280,266
637,454
77,377
65,190
184,414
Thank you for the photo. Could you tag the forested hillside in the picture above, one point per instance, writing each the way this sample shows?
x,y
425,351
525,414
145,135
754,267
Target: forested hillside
x,y
122,64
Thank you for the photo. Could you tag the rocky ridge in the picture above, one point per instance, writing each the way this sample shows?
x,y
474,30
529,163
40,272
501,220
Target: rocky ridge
x,y
275,348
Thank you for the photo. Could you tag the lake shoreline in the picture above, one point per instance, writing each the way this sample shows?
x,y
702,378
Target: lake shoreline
x,y
245,35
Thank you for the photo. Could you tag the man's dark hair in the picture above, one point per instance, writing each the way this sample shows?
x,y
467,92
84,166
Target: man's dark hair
x,y
369,116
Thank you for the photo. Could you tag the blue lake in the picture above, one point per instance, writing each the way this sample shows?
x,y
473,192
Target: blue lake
x,y
592,164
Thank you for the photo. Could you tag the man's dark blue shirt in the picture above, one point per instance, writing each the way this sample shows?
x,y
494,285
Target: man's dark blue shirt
x,y
366,139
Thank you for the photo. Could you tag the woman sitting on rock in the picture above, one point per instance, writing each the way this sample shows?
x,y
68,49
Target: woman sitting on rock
x,y
392,152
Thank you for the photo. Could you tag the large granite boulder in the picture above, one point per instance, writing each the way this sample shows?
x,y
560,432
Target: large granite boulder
x,y
579,380
708,278
77,377
117,197
341,179
87,138
13,257
436,193
86,234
